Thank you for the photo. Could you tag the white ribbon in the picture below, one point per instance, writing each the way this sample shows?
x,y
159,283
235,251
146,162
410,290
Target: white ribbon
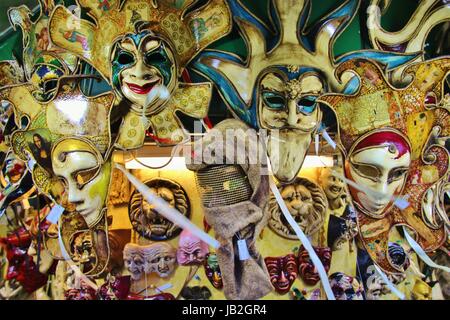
x,y
54,214
390,285
163,208
421,253
327,137
304,240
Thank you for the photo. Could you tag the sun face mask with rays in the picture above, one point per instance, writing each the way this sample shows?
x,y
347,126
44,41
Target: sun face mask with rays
x,y
142,47
389,136
43,63
275,88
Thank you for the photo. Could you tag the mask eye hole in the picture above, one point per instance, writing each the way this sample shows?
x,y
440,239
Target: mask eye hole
x,y
366,170
125,58
307,105
155,58
397,174
83,177
273,100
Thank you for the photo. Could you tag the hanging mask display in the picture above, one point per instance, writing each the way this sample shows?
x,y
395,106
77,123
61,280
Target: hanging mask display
x,y
305,201
413,35
345,287
282,271
212,270
233,191
141,48
159,258
43,63
150,224
388,136
275,88
191,250
306,268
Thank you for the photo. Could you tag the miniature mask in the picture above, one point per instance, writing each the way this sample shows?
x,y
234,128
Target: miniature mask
x,y
282,271
276,86
133,260
191,250
393,153
307,204
399,258
306,268
421,291
115,288
334,187
345,287
150,224
375,286
212,270
159,258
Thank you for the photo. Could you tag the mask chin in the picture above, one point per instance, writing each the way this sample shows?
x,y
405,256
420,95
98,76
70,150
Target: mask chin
x,y
287,151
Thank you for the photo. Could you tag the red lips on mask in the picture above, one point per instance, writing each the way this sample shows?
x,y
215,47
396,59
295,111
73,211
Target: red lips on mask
x,y
282,271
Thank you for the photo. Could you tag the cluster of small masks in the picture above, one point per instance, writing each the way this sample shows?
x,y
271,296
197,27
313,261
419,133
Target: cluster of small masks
x,y
392,118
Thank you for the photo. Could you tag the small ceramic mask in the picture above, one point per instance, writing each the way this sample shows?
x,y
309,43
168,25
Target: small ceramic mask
x,y
345,287
133,260
375,286
191,250
159,258
282,271
147,221
307,204
306,268
399,258
334,187
212,270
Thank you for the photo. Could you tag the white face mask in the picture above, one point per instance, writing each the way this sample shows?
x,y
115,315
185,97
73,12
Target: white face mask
x,y
382,170
86,183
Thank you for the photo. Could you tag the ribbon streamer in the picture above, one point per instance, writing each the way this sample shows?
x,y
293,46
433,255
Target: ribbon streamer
x,y
421,253
163,208
390,285
304,240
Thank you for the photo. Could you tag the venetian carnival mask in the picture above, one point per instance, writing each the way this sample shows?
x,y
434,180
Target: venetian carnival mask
x,y
149,223
306,268
334,187
375,285
143,63
79,165
159,258
282,271
307,204
212,270
276,86
191,250
388,135
345,287
133,260
399,258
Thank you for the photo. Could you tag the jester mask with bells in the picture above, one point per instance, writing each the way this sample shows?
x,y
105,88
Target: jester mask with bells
x,y
142,47
412,37
390,140
43,63
69,139
275,88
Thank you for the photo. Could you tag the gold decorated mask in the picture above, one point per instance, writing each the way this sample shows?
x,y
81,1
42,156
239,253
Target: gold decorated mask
x,y
141,48
388,137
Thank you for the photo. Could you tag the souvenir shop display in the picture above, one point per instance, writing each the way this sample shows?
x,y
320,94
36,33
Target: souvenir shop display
x,y
224,150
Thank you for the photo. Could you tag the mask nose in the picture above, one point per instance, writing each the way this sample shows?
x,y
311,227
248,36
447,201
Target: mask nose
x,y
282,277
141,71
292,113
73,195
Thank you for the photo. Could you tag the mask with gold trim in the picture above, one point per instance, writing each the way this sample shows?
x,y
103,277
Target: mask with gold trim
x,y
276,86
389,139
43,63
158,50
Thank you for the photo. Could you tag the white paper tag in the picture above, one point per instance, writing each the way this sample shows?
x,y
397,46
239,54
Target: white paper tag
x,y
327,137
243,250
55,213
